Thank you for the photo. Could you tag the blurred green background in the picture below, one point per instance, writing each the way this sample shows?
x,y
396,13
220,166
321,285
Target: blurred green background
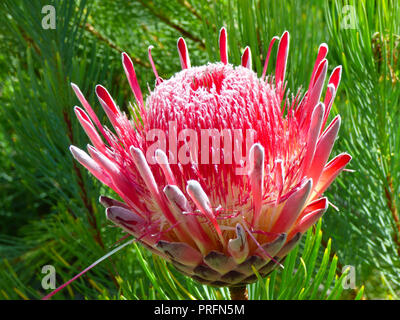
x,y
49,212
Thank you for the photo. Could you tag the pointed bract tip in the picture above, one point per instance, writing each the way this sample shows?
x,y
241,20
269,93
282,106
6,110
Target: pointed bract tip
x,y
135,151
336,76
104,201
161,157
76,90
320,105
77,153
348,156
181,45
324,45
126,60
175,195
124,56
194,189
257,147
180,40
72,148
323,65
257,155
114,212
344,158
326,203
167,188
99,89
192,184
335,122
246,58
109,214
285,34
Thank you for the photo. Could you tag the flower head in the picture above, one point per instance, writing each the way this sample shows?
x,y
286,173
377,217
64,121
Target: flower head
x,y
222,171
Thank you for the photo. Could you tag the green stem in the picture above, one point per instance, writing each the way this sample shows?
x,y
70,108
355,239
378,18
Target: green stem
x,y
238,293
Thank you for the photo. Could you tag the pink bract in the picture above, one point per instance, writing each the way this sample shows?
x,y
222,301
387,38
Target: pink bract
x,y
210,222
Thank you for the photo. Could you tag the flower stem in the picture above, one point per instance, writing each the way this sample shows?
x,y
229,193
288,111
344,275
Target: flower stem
x,y
238,293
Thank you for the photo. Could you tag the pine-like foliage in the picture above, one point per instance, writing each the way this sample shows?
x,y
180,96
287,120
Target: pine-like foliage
x,y
48,204
367,228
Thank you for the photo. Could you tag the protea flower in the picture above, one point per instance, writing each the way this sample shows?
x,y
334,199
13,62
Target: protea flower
x,y
211,211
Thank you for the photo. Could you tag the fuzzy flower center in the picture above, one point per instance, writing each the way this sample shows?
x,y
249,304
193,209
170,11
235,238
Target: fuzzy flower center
x,y
227,110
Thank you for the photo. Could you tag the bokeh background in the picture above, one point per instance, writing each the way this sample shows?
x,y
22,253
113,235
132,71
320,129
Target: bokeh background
x,y
49,213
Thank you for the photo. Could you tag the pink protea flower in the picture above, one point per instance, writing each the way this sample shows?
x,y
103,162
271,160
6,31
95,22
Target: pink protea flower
x,y
209,210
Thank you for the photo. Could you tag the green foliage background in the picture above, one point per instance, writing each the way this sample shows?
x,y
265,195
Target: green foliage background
x,y
48,204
